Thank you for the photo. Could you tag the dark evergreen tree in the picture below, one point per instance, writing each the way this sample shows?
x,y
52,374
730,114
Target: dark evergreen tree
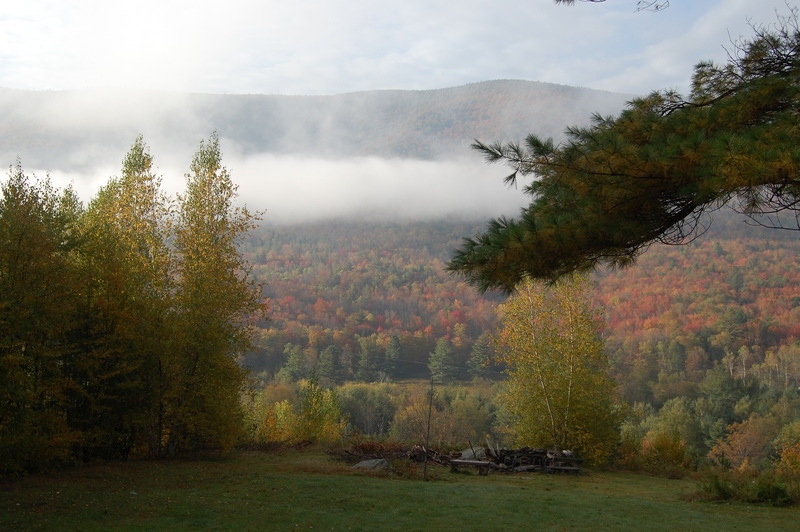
x,y
327,368
39,295
651,174
367,368
394,351
480,359
295,367
442,363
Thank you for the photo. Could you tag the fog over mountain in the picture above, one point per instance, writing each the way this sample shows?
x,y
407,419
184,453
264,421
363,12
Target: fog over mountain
x,y
375,154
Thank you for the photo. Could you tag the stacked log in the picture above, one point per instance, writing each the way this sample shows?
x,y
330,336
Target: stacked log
x,y
525,459
541,460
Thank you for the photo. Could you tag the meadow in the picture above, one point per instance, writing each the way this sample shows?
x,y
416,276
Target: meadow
x,y
312,490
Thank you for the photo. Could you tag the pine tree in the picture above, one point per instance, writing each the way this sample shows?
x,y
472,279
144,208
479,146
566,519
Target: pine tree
x,y
480,357
367,367
327,369
393,354
441,362
652,173
295,368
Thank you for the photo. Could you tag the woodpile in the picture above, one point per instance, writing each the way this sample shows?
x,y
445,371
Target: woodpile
x,y
486,459
522,460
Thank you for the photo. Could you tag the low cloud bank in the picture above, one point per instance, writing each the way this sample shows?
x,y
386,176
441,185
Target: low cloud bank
x,y
299,189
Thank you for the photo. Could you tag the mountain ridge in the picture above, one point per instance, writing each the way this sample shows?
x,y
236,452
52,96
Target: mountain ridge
x,y
71,129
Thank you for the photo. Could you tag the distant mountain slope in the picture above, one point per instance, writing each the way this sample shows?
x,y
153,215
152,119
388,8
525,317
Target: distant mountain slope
x,y
331,283
75,129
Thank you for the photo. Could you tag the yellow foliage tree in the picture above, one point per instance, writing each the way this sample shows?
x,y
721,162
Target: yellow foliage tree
x,y
317,418
215,296
559,394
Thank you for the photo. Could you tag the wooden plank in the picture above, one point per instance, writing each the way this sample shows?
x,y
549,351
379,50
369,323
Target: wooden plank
x,y
483,465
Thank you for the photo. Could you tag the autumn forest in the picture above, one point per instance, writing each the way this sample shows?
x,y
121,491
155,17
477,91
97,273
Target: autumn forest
x,y
356,318
701,337
145,324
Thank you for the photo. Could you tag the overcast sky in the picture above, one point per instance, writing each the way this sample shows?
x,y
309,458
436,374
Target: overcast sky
x,y
335,46
328,47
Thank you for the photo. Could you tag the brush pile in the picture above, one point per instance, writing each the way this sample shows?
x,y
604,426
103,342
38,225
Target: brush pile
x,y
521,460
490,458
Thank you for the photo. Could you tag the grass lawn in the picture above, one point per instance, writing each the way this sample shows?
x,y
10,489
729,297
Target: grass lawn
x,y
294,490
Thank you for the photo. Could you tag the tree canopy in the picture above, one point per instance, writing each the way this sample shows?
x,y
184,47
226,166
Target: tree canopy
x,y
651,174
122,323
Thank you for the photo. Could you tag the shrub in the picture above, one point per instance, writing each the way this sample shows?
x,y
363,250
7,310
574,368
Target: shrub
x,y
665,454
715,487
368,407
770,490
457,416
744,486
316,418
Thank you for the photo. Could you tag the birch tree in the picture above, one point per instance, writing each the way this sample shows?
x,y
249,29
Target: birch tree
x,y
558,394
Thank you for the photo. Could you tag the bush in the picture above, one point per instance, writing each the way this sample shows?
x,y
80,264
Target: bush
x,y
368,407
664,454
745,486
770,490
714,487
457,416
316,418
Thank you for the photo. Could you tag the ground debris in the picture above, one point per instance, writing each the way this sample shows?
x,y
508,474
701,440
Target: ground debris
x,y
523,460
394,451
527,459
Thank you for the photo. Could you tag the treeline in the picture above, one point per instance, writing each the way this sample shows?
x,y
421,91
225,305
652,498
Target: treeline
x,y
683,311
121,321
705,344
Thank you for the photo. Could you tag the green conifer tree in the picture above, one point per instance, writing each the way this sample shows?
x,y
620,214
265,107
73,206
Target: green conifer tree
x,y
652,173
441,362
39,292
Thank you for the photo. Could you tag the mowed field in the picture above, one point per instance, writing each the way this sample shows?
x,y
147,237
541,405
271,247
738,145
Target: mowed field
x,y
310,490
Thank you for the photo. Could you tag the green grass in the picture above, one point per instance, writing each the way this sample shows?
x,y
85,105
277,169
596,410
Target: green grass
x,y
310,491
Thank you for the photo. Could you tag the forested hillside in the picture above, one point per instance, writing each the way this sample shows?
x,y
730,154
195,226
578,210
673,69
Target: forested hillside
x,y
351,287
702,338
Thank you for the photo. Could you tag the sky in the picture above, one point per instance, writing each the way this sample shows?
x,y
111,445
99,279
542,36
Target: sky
x,y
335,46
